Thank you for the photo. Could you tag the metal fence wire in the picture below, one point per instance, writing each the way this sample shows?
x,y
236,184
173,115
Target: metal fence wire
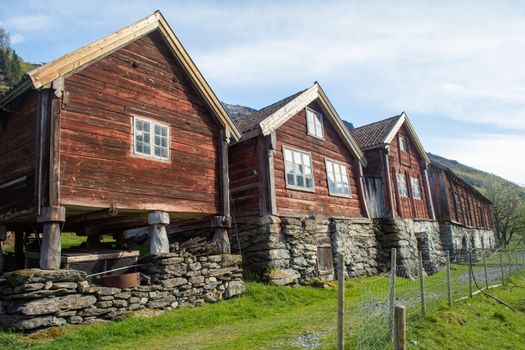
x,y
423,286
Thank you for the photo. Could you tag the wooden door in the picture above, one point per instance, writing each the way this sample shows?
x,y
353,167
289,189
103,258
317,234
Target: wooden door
x,y
374,196
325,261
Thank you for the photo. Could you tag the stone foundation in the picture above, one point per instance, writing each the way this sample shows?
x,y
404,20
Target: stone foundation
x,y
35,299
284,250
457,238
409,236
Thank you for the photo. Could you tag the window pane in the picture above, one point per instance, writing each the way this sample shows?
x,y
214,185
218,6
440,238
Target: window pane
x,y
309,181
146,126
300,180
287,155
147,149
157,140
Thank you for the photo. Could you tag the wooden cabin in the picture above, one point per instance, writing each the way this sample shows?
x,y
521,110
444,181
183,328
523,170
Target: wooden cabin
x,y
396,177
121,133
295,168
464,213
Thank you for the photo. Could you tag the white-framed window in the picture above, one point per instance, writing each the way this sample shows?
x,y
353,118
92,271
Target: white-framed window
x,y
298,169
402,185
403,143
150,139
314,120
338,183
416,188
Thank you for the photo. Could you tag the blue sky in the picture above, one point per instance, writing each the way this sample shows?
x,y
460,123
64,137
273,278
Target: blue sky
x,y
457,70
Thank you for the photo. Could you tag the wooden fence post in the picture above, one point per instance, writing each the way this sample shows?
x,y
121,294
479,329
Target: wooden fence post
x,y
340,301
449,287
421,284
470,273
400,328
509,253
393,274
501,266
485,269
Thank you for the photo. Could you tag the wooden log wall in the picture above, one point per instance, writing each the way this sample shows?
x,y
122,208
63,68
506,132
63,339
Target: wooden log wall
x,y
98,166
17,159
411,164
294,134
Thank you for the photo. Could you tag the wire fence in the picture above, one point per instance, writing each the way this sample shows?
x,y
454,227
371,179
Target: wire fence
x,y
423,286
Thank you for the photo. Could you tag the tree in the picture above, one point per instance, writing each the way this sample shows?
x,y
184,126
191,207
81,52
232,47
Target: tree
x,y
10,66
508,210
5,38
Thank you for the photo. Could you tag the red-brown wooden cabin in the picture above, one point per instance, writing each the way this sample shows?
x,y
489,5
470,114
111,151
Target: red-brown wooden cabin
x,y
295,168
464,214
109,133
396,177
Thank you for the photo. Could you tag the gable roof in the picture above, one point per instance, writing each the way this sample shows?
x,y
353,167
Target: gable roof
x,y
270,118
43,76
455,176
381,133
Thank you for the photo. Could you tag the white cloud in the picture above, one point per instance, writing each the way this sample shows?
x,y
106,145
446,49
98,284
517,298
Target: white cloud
x,y
17,38
29,22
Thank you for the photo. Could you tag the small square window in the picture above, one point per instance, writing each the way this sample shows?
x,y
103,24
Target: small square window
x,y
314,121
142,139
402,185
298,169
416,188
338,184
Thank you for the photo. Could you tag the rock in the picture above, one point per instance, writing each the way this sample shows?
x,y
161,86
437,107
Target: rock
x,y
123,295
40,294
53,305
195,266
234,288
104,304
108,291
215,258
64,285
94,311
75,320
19,277
21,323
120,303
174,282
213,296
283,277
231,260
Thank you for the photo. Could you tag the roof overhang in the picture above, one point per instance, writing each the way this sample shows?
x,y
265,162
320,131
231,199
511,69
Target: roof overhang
x,y
43,76
283,114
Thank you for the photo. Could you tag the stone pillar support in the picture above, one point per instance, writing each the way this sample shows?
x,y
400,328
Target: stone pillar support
x,y
158,242
50,252
221,224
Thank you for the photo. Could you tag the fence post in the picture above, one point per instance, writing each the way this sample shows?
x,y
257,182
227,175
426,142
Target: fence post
x,y
485,269
393,273
340,301
501,266
449,288
400,328
421,284
470,272
509,253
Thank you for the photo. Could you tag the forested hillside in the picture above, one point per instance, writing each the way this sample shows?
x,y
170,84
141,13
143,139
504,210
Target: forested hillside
x,y
12,66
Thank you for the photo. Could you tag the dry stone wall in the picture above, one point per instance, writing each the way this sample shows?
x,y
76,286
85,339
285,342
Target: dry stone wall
x,y
458,238
34,299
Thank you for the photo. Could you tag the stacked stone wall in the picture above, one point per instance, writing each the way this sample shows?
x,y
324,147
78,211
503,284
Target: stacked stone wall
x,y
459,239
34,299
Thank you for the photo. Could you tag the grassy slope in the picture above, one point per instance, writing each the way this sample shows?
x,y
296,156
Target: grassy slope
x,y
270,317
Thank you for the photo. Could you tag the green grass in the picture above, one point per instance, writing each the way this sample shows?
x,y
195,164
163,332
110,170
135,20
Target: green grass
x,y
68,240
271,317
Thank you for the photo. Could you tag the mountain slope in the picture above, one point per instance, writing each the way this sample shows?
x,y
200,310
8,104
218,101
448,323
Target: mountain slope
x,y
475,177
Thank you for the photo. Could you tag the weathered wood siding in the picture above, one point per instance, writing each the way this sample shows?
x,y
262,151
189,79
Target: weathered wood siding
x,y
245,174
375,183
456,201
412,165
17,159
97,162
294,134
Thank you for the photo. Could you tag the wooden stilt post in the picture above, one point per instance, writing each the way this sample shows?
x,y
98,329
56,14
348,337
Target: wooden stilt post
x,y
449,287
400,328
422,285
19,250
50,252
221,240
340,301
3,235
158,242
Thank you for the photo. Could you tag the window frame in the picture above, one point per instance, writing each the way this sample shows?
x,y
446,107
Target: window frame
x,y
341,164
295,187
399,187
402,138
307,109
152,123
420,194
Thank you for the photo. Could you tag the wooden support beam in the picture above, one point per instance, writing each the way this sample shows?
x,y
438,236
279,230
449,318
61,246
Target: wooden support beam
x,y
3,235
224,136
389,186
429,197
271,142
93,216
221,224
361,187
51,248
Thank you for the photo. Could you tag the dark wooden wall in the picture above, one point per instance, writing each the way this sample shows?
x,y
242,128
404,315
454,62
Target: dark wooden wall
x,y
98,167
411,164
293,133
456,201
17,159
245,175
